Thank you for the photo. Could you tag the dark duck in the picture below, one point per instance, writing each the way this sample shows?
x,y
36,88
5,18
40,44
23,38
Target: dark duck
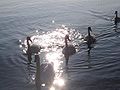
x,y
116,18
31,49
68,50
89,38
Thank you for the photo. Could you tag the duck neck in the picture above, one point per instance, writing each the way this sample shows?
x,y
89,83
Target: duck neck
x,y
66,43
28,41
28,44
116,15
88,32
66,39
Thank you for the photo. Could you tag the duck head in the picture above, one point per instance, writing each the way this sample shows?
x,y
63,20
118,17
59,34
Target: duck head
x,y
116,12
28,38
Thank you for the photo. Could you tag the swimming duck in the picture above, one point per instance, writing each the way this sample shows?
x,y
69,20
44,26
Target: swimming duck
x,y
68,50
116,18
89,39
31,49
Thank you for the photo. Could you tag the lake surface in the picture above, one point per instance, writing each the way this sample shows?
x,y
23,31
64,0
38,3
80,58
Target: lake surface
x,y
47,22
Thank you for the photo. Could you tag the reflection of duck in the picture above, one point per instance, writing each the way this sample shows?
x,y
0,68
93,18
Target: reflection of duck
x,y
89,39
116,18
68,49
44,73
37,77
32,49
47,73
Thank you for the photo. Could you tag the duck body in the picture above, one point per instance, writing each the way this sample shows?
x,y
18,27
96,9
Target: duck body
x,y
70,50
34,49
90,39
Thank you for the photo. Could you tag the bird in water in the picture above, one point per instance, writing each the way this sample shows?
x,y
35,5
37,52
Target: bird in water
x,y
68,50
31,49
116,18
89,38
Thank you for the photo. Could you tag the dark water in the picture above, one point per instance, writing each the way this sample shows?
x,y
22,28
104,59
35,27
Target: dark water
x,y
47,23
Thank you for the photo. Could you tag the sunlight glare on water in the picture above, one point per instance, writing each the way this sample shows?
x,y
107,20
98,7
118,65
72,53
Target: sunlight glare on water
x,y
52,88
55,58
50,39
59,82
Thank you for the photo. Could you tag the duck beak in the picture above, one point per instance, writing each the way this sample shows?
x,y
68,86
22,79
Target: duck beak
x,y
89,28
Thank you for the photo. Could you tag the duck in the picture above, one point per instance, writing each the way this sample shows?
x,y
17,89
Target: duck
x,y
44,73
31,49
68,50
116,18
89,38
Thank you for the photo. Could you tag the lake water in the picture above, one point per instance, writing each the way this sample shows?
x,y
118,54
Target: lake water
x,y
47,22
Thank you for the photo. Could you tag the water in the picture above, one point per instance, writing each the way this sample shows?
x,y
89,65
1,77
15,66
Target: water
x,y
47,23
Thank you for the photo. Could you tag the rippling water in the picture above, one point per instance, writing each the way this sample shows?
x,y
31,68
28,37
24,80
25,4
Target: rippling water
x,y
47,22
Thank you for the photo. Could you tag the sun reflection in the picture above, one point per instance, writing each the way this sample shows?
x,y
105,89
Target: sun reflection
x,y
53,21
36,31
60,82
52,88
24,51
43,85
54,57
20,46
